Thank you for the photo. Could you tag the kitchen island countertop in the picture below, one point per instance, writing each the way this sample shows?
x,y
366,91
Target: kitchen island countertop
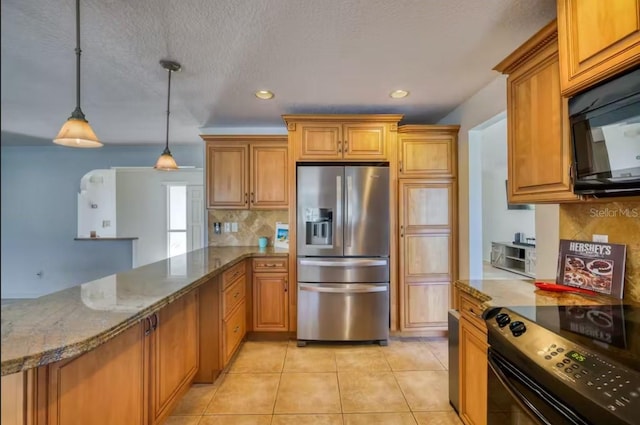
x,y
70,322
515,292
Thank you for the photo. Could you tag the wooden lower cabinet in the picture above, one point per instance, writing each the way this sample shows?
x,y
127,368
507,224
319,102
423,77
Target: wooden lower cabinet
x,y
233,330
104,386
270,302
174,354
473,373
234,310
135,378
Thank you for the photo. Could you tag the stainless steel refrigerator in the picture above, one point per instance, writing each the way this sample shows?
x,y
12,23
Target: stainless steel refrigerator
x,y
343,253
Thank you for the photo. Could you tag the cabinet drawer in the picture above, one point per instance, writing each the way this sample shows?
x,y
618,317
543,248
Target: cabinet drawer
x,y
229,276
234,330
270,264
233,295
471,309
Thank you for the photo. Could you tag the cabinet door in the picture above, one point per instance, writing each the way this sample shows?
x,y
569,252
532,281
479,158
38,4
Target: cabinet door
x,y
597,40
539,150
233,330
227,176
426,253
364,141
426,155
269,177
103,386
473,374
174,354
270,302
319,141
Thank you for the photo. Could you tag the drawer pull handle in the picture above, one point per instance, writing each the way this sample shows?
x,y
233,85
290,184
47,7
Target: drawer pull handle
x,y
473,313
236,295
237,328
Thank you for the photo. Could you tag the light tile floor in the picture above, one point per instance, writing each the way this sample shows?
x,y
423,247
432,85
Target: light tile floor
x,y
278,383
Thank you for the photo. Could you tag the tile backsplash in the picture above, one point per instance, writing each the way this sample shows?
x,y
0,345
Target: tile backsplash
x,y
620,221
251,225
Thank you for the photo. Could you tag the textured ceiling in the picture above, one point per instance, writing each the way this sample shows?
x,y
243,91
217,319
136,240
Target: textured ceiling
x,y
318,56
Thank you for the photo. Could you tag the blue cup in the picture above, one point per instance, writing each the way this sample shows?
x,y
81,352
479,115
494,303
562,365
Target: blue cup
x,y
263,242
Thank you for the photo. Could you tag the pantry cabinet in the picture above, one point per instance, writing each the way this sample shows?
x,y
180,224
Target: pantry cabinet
x,y
341,137
247,172
598,39
270,295
427,216
538,140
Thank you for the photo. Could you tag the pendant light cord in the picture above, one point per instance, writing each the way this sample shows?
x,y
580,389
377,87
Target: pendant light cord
x,y
77,113
168,99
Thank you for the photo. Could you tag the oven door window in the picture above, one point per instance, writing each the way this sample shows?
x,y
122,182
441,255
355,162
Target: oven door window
x,y
514,398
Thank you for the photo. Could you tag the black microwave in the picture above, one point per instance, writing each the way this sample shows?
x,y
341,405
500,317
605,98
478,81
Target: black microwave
x,y
605,134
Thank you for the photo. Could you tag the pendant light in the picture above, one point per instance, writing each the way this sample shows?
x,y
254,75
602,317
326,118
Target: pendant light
x,y
166,161
77,132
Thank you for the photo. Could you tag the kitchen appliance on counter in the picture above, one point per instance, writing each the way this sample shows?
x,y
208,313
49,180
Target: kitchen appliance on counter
x,y
343,253
564,364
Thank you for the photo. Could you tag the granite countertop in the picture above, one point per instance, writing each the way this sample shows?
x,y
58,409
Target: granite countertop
x,y
514,292
64,324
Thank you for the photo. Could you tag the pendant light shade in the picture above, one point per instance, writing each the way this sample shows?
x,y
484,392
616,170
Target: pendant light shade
x,y
76,132
166,161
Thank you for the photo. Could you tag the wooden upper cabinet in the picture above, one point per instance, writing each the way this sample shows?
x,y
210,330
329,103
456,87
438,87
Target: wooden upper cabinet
x,y
269,176
538,140
598,39
247,172
342,137
227,182
364,141
320,141
427,150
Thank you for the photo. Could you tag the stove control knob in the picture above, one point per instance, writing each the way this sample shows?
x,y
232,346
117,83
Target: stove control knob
x,y
503,319
517,328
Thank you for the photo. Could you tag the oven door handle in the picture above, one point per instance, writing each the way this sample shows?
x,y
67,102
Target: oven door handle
x,y
498,366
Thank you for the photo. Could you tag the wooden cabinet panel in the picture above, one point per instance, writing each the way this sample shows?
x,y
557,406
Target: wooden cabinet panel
x,y
103,386
538,143
174,354
227,176
320,141
427,305
18,393
364,141
598,39
233,330
233,295
426,257
232,273
270,264
425,205
269,176
210,334
270,302
473,374
427,151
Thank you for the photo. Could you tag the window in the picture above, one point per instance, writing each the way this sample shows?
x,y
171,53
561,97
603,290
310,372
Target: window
x,y
176,219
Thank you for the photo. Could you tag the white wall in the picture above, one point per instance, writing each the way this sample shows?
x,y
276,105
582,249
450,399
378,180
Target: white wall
x,y
488,102
97,204
499,223
141,199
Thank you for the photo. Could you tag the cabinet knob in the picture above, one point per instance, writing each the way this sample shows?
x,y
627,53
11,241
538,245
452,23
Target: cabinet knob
x,y
147,330
236,295
400,165
401,231
154,321
346,145
286,285
246,198
339,146
252,198
237,328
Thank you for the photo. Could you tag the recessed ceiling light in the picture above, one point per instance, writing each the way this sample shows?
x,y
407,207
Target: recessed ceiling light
x,y
399,94
264,94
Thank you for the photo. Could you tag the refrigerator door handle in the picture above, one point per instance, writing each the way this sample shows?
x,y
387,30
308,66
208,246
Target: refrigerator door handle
x,y
338,218
349,288
351,263
348,212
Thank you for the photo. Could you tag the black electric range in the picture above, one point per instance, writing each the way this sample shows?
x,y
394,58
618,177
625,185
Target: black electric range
x,y
580,364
